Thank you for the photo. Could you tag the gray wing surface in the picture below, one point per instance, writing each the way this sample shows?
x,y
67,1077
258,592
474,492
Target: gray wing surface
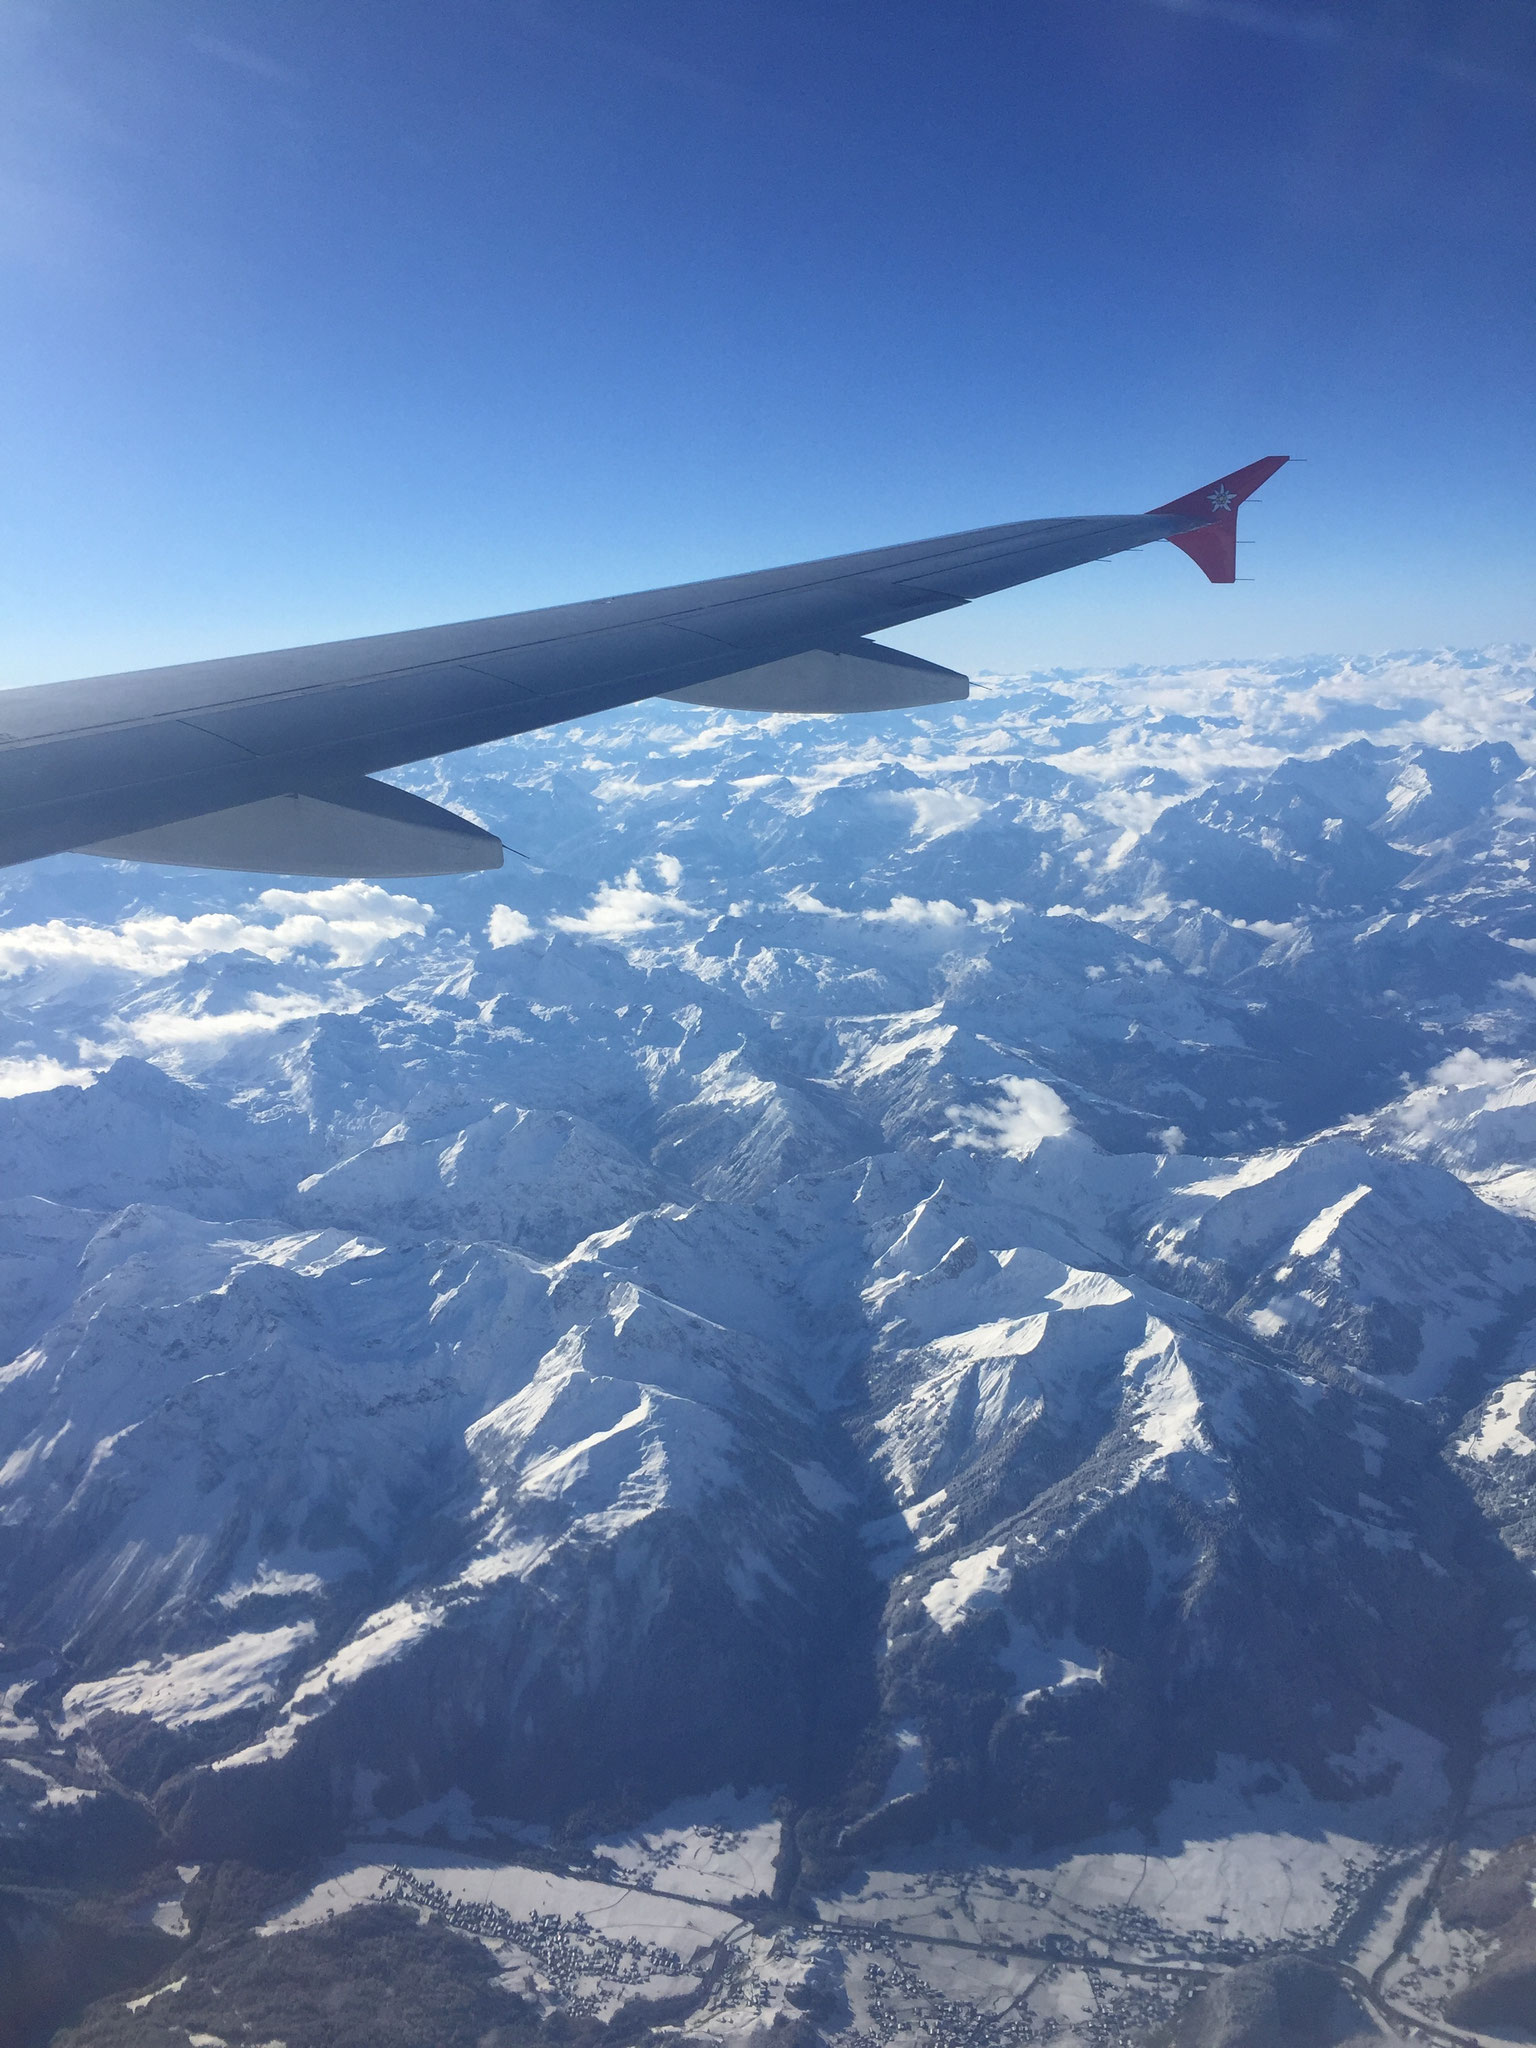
x,y
205,763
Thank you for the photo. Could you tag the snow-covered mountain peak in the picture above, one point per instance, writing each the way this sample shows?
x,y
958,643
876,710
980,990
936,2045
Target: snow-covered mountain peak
x,y
971,1274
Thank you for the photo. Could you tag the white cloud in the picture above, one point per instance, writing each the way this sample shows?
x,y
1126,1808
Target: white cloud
x,y
354,921
166,1030
1028,1112
30,1077
995,916
1459,1090
913,910
508,927
1472,1069
803,899
940,811
621,909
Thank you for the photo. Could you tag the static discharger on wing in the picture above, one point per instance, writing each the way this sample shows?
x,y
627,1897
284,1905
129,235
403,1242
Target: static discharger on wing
x,y
265,762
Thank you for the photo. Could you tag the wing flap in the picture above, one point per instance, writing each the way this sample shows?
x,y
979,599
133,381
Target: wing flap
x,y
861,677
357,828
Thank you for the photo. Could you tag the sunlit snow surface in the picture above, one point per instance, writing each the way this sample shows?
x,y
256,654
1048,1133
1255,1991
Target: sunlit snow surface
x,y
1064,1164
1246,1856
574,1941
238,1673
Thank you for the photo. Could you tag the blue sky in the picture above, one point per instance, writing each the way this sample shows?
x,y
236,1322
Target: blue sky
x,y
320,319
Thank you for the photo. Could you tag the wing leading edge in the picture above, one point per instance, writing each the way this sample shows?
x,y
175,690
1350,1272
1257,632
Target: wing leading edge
x,y
198,763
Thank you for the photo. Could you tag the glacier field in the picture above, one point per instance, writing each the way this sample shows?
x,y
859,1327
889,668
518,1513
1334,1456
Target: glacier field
x,y
882,1395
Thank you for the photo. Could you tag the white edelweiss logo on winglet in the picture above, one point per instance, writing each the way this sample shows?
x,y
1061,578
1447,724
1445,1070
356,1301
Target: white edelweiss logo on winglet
x,y
1221,499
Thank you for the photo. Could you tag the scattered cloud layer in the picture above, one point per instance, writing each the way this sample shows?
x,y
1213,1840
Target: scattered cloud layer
x,y
354,922
935,914
841,858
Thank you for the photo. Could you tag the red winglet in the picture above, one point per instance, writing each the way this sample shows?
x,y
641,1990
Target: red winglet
x,y
1214,544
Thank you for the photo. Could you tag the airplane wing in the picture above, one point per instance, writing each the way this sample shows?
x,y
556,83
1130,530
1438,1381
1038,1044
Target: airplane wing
x,y
265,761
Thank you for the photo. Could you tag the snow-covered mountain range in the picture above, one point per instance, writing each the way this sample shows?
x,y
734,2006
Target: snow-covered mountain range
x,y
906,1345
